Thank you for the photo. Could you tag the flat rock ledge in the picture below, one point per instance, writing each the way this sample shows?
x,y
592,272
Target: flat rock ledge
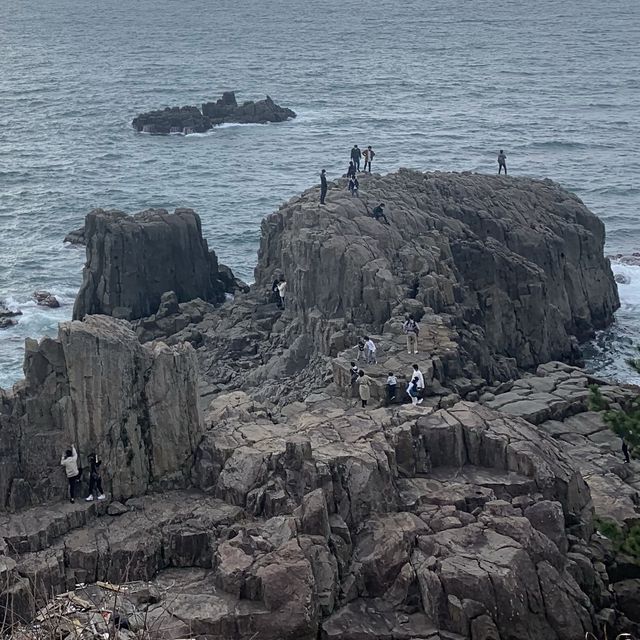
x,y
187,120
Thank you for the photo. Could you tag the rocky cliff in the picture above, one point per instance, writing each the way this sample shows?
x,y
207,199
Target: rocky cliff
x,y
96,386
515,267
133,260
225,109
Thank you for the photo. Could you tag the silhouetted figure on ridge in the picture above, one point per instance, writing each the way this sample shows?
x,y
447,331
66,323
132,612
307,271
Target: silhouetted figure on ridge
x,y
323,186
502,162
356,154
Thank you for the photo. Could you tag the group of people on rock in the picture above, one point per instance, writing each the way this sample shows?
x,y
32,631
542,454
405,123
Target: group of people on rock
x,y
69,462
367,352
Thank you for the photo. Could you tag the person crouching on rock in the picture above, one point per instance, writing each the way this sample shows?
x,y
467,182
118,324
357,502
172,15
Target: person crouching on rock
x,y
364,387
95,479
69,461
378,213
412,391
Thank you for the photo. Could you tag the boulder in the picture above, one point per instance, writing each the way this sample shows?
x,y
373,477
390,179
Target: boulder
x,y
46,299
133,260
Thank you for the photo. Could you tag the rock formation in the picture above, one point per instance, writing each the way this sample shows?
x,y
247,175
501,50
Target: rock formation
x,y
133,260
298,514
226,109
96,386
515,268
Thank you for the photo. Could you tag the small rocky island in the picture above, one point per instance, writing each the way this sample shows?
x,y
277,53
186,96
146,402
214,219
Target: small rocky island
x,y
250,496
225,110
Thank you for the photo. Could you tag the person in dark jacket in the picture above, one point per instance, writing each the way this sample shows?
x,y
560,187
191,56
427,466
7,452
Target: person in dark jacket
x,y
356,154
351,170
354,185
378,213
323,186
502,162
625,452
95,479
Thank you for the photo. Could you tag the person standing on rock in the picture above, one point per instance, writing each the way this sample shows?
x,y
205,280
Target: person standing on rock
x,y
95,479
392,387
417,374
356,154
625,452
351,169
354,185
502,162
70,463
412,330
282,287
368,155
378,213
323,185
364,387
370,348
361,348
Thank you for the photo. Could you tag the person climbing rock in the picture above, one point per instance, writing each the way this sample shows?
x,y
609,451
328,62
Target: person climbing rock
x,y
378,213
502,162
412,330
354,185
95,479
364,387
351,169
69,461
361,347
354,372
392,387
368,154
323,185
412,391
416,373
625,452
356,154
370,349
282,287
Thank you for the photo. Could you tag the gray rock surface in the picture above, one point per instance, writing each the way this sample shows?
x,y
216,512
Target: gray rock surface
x,y
133,260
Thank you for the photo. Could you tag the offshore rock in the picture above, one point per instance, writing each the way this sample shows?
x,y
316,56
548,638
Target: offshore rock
x,y
133,260
98,387
513,267
226,109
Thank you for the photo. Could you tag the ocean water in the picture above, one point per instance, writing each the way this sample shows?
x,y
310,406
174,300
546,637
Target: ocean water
x,y
431,84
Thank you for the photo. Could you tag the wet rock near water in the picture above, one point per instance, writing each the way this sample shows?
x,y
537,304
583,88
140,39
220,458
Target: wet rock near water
x,y
225,110
8,316
75,237
46,299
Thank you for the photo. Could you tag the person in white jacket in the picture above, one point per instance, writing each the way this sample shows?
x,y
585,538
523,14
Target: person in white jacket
x,y
70,463
416,373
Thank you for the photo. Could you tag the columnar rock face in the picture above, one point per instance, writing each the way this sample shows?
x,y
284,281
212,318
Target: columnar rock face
x,y
133,260
97,387
515,266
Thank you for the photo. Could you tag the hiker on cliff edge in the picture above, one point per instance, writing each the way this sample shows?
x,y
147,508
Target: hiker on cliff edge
x,y
323,186
368,154
502,162
95,479
356,154
69,461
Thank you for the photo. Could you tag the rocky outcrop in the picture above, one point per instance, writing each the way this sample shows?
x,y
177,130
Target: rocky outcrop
x,y
514,267
96,386
226,109
133,260
46,299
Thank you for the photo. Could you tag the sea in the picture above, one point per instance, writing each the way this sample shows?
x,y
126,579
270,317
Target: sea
x,y
430,84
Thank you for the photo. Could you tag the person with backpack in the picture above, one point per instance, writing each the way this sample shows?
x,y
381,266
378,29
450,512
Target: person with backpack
x,y
412,330
368,155
69,461
356,154
95,479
